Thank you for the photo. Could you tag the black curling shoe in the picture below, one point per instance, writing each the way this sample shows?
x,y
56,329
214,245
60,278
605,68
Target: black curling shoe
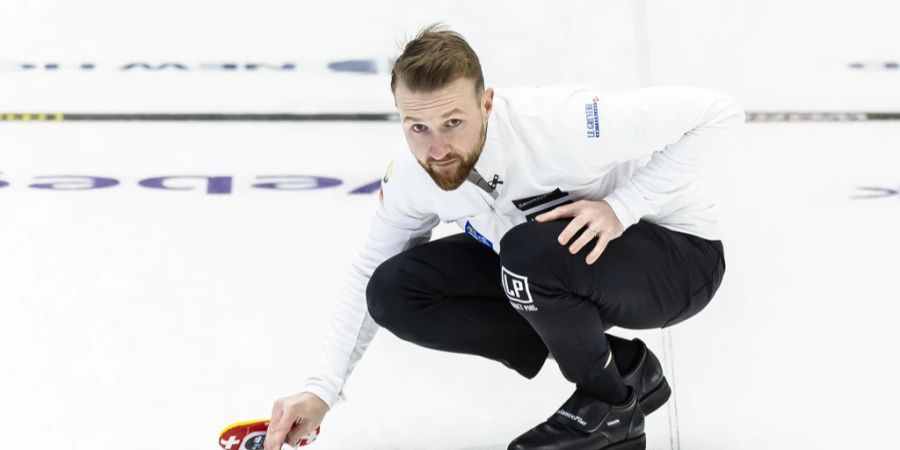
x,y
587,423
647,380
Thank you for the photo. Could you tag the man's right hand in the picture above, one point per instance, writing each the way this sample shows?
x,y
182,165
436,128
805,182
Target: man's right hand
x,y
294,417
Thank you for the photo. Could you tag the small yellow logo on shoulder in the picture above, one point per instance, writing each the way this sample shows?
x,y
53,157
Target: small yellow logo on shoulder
x,y
390,171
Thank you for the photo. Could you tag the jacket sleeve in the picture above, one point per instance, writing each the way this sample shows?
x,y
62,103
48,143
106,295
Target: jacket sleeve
x,y
401,220
674,126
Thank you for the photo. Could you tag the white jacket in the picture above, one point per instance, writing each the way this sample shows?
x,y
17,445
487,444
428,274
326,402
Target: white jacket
x,y
640,150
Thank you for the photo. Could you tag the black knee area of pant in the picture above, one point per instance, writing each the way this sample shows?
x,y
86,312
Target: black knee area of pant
x,y
383,296
525,246
532,250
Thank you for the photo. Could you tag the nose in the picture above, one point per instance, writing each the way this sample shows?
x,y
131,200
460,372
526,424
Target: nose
x,y
438,148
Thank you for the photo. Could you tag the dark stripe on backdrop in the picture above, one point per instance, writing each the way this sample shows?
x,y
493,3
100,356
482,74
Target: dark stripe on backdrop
x,y
752,116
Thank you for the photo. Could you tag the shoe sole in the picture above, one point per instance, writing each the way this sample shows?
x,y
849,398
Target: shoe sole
x,y
655,398
638,443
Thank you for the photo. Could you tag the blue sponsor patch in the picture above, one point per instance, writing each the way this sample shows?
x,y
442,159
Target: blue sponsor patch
x,y
592,118
471,231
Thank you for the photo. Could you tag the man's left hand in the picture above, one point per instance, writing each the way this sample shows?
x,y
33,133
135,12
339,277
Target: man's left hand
x,y
597,216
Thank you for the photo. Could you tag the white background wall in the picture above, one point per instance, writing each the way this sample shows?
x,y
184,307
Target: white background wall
x,y
790,54
518,44
779,55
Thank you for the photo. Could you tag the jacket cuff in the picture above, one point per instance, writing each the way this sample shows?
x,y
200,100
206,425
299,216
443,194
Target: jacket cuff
x,y
329,396
628,205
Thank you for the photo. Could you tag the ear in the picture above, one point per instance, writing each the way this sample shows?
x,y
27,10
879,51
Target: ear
x,y
487,102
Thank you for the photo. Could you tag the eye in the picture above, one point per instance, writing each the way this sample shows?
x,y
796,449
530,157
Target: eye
x,y
417,128
453,123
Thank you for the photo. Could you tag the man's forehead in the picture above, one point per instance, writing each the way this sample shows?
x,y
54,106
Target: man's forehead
x,y
409,118
460,84
435,104
459,88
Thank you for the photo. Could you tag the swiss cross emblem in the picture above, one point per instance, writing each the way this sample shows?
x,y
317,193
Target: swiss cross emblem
x,y
231,442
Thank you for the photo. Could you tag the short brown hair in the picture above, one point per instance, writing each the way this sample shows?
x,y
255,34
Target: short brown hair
x,y
434,58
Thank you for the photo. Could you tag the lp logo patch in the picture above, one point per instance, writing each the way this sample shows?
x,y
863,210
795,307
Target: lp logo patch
x,y
516,287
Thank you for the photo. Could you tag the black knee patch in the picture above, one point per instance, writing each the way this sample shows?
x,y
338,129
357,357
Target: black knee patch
x,y
532,242
380,292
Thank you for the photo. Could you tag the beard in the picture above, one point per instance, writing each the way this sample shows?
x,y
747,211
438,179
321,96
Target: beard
x,y
452,177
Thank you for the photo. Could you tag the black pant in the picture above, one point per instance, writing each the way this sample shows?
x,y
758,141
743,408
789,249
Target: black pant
x,y
452,294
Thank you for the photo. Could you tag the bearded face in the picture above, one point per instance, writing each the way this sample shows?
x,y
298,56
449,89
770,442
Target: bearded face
x,y
446,128
452,171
